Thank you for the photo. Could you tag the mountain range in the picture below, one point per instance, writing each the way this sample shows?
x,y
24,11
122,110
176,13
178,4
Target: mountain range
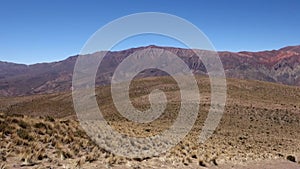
x,y
278,66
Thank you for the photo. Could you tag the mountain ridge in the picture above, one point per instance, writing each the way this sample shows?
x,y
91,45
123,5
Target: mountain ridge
x,y
278,66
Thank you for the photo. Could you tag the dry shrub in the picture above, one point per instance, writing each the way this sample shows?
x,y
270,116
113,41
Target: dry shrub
x,y
5,128
23,124
40,125
50,119
24,134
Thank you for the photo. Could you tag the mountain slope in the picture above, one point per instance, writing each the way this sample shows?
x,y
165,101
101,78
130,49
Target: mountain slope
x,y
279,66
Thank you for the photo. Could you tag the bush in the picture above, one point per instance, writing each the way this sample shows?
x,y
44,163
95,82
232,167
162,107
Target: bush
x,y
50,119
40,125
23,124
291,158
5,128
24,134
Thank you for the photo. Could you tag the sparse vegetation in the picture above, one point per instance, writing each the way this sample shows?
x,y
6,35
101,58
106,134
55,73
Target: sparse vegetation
x,y
254,127
24,134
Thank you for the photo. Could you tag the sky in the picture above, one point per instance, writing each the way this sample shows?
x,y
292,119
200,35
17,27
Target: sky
x,y
35,31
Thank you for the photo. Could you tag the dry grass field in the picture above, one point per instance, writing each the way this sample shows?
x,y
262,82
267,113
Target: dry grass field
x,y
259,129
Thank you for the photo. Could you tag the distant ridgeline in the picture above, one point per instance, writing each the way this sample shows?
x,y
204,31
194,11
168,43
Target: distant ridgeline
x,y
278,66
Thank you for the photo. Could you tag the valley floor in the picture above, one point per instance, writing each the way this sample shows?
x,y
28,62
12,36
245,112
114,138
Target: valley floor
x,y
258,130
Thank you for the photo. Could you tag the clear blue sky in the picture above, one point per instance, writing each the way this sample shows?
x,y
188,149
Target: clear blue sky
x,y
50,30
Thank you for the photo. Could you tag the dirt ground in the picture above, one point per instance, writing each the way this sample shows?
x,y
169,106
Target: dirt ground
x,y
259,130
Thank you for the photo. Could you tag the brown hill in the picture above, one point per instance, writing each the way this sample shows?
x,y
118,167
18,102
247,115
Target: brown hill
x,y
279,66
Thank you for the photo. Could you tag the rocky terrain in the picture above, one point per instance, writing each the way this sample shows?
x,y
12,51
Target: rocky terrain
x,y
279,66
259,129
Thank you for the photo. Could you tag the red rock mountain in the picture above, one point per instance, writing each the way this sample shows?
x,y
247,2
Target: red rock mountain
x,y
278,66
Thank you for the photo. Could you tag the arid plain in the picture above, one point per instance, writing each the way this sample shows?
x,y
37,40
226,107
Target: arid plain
x,y
259,129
